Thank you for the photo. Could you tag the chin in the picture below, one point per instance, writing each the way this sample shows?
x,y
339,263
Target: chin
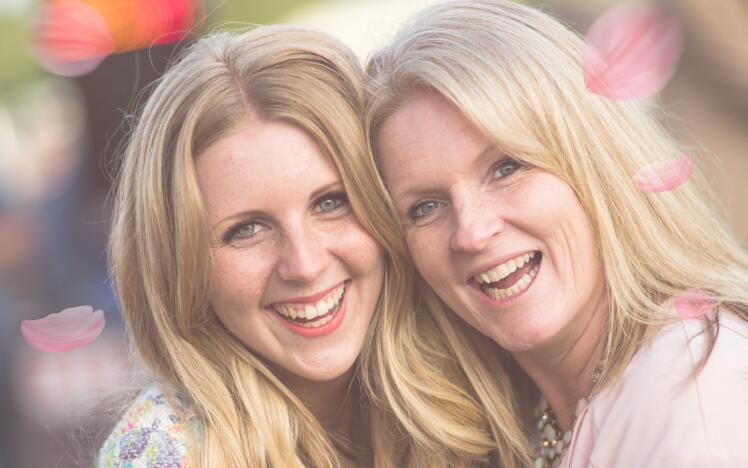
x,y
327,375
524,335
324,369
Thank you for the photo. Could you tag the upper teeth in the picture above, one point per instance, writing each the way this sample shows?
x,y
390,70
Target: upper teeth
x,y
500,272
311,311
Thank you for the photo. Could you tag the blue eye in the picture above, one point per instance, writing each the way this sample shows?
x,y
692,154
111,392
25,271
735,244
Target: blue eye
x,y
330,202
422,209
506,167
244,230
248,230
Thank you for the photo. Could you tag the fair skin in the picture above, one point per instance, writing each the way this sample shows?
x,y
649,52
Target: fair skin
x,y
285,242
468,209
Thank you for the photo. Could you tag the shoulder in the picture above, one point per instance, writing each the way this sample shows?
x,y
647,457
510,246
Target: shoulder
x,y
666,365
150,433
659,413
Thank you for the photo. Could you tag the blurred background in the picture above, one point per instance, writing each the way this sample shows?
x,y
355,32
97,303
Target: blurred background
x,y
60,126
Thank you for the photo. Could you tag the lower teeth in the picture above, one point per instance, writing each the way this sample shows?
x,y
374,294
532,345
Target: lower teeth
x,y
496,293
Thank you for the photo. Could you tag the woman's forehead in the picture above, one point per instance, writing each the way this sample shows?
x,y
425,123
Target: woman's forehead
x,y
264,160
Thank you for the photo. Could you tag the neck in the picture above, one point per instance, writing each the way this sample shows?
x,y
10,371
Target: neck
x,y
335,403
562,370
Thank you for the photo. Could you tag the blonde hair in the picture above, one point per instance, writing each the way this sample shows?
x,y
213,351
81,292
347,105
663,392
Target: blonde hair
x,y
160,246
516,74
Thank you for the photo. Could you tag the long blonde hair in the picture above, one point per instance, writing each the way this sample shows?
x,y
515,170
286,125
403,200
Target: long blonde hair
x,y
516,74
160,252
160,244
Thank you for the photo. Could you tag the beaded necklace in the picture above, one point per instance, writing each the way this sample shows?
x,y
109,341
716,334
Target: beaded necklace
x,y
549,443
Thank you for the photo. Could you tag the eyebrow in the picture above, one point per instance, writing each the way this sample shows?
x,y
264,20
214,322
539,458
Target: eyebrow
x,y
419,190
334,185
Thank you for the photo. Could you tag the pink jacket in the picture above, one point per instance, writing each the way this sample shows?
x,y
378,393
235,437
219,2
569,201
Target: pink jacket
x,y
656,416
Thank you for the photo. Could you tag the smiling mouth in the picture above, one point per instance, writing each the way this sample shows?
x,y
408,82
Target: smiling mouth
x,y
509,278
313,315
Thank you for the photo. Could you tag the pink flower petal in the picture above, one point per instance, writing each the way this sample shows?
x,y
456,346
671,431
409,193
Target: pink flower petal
x,y
176,21
693,303
664,176
630,52
71,38
64,331
136,24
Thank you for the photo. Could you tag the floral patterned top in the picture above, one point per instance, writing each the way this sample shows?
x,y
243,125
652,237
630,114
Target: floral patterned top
x,y
149,435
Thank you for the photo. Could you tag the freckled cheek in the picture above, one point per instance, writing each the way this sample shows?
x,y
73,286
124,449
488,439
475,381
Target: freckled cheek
x,y
429,255
238,279
355,246
561,223
541,203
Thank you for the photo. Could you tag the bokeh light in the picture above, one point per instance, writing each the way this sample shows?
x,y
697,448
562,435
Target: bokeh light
x,y
72,37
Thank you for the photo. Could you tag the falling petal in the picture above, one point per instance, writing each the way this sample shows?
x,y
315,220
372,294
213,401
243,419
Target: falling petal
x,y
137,24
74,36
71,38
64,331
177,20
664,176
630,52
693,303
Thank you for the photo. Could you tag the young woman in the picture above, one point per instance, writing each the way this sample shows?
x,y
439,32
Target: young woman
x,y
513,186
254,259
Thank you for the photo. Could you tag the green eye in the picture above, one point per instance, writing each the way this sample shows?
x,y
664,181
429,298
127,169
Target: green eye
x,y
507,167
331,201
244,230
329,204
423,209
248,230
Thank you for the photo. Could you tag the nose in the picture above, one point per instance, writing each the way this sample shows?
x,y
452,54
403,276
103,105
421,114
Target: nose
x,y
303,257
476,223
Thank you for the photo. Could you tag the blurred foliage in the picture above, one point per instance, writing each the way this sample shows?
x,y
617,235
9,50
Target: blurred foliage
x,y
16,63
19,66
225,12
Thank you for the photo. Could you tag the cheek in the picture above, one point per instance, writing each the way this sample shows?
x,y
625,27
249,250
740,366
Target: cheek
x,y
351,243
237,279
417,253
429,256
557,218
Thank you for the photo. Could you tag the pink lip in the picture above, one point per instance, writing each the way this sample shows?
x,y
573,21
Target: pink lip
x,y
490,266
307,299
507,300
325,329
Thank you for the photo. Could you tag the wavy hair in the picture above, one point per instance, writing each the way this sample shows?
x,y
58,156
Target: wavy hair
x,y
160,246
516,75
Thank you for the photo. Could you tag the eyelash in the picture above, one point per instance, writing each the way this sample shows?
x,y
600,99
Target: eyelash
x,y
498,165
339,197
495,168
235,229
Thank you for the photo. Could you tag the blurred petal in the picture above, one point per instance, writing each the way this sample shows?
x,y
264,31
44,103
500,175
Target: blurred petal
x,y
177,20
74,36
693,303
64,331
630,52
71,37
664,176
137,24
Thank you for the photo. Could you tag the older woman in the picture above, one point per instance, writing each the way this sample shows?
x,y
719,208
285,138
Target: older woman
x,y
254,265
514,188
